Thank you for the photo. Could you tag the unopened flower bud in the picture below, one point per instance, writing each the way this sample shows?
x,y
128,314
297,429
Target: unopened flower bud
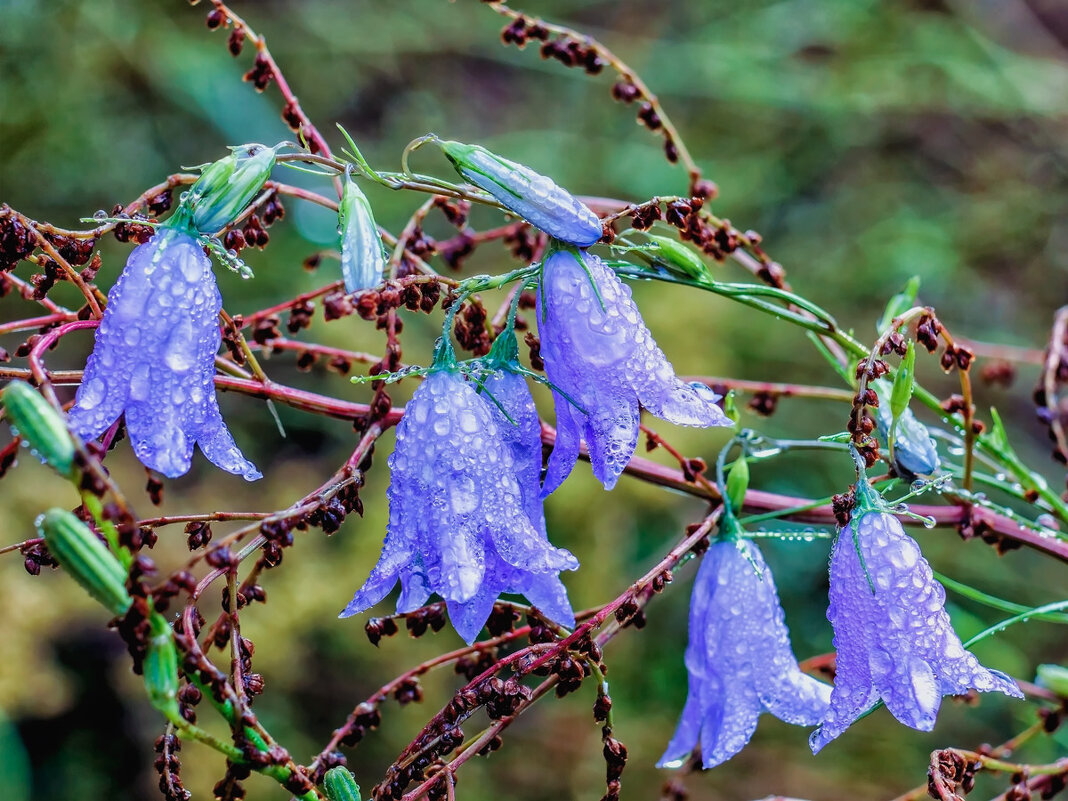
x,y
161,667
340,785
81,553
679,258
1054,678
40,425
738,483
227,186
534,197
362,261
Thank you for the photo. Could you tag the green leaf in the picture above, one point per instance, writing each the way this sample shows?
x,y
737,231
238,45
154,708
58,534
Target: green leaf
x,y
996,437
901,302
904,382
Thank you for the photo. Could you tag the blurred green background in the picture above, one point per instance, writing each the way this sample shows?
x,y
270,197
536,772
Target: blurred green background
x,y
867,141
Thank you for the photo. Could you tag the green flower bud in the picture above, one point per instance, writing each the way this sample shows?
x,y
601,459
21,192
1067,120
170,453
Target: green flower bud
x,y
1053,678
362,261
340,785
679,258
86,558
738,483
730,408
226,187
41,426
161,667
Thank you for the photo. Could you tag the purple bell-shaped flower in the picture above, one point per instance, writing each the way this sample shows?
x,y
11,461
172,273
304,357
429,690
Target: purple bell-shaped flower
x,y
465,517
154,359
739,659
893,638
605,367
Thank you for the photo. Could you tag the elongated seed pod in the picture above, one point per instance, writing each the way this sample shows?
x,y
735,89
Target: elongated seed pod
x,y
161,667
85,558
40,425
532,196
362,260
340,785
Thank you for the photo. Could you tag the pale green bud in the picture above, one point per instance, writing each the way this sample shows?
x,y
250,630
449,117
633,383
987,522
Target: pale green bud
x,y
88,561
40,425
160,667
226,187
340,785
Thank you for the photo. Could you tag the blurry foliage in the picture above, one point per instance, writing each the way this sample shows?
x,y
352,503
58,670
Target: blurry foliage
x,y
866,141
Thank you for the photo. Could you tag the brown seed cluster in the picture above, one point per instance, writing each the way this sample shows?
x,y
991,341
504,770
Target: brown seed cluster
x,y
169,767
716,238
950,772
16,240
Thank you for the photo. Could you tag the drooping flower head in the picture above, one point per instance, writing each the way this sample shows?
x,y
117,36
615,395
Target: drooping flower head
x,y
534,197
154,359
893,637
739,659
362,260
605,365
465,517
915,451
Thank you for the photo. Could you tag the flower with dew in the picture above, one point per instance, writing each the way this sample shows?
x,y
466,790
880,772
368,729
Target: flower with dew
x,y
604,366
915,451
154,359
534,197
465,517
892,635
362,259
739,659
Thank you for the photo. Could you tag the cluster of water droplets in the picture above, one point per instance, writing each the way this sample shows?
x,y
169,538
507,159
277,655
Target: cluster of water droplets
x,y
893,637
154,359
739,660
600,355
465,518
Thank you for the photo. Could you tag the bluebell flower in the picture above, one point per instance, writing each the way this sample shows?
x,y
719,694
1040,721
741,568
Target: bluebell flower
x,y
465,516
893,638
739,659
154,359
915,451
604,365
534,197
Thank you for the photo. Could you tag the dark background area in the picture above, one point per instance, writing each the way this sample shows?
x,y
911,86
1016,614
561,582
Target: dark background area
x,y
867,141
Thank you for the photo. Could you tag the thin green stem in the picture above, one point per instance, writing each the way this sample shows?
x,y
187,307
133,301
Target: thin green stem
x,y
1020,618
